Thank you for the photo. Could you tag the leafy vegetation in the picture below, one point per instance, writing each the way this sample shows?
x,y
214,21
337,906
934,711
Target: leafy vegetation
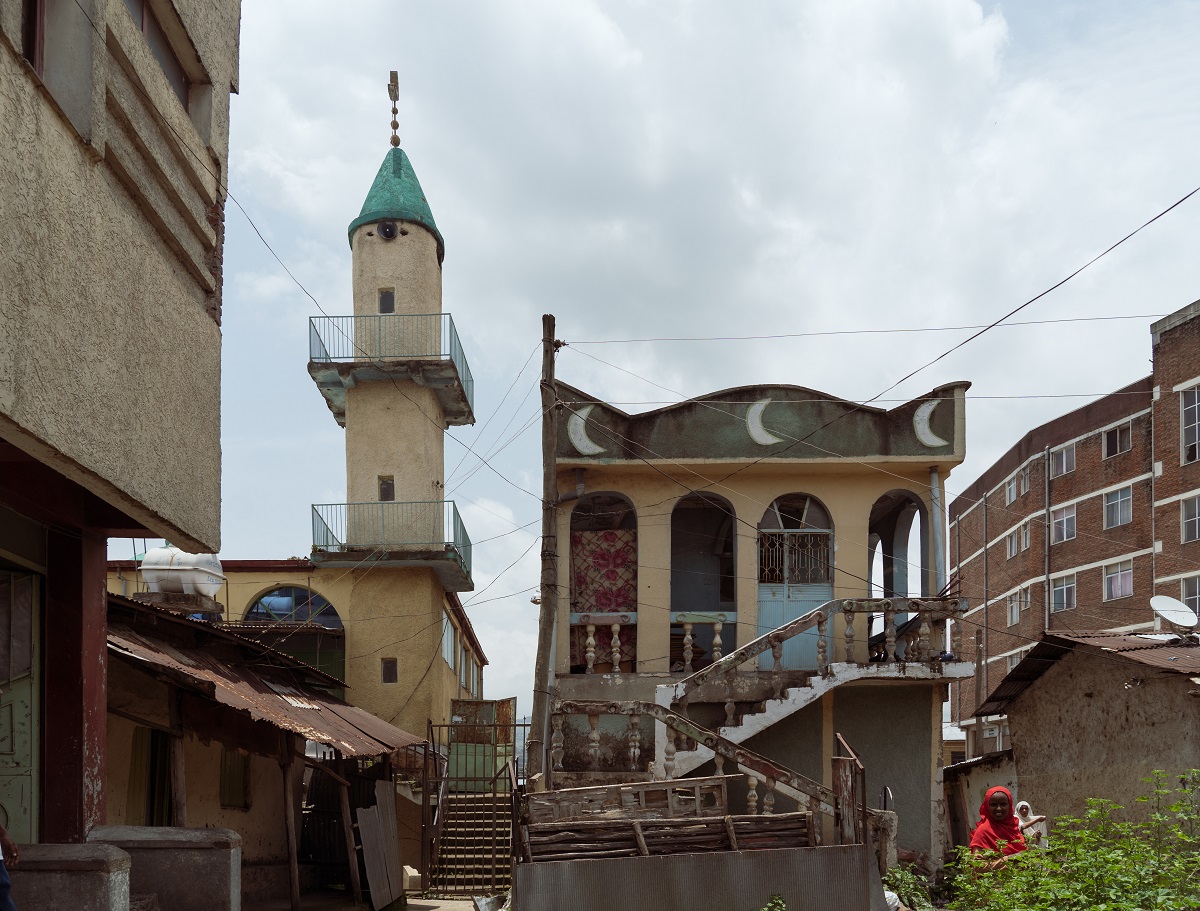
x,y
776,904
910,887
1099,862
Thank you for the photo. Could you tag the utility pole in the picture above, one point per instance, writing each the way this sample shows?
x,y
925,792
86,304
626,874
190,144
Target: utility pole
x,y
543,670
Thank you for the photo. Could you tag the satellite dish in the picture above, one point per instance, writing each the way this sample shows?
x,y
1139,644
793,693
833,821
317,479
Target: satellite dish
x,y
1173,611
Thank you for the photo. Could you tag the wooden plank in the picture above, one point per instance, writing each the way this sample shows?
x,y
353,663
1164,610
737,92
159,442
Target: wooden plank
x,y
385,804
289,815
351,848
377,879
733,844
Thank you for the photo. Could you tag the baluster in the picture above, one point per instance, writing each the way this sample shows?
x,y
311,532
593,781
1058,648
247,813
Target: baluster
x,y
616,648
687,648
924,649
956,640
849,615
635,741
769,798
777,654
730,705
889,634
590,648
751,795
556,742
594,741
669,755
719,762
822,646
716,651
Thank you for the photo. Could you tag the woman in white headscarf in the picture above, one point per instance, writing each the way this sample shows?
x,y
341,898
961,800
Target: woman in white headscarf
x,y
1034,828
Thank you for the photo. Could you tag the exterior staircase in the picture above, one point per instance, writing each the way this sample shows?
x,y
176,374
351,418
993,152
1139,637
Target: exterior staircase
x,y
474,849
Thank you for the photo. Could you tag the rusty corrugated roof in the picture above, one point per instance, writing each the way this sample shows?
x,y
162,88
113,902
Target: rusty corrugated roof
x,y
285,703
1173,654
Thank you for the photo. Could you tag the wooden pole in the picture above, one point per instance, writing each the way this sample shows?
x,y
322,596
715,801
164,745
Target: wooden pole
x,y
543,670
178,782
289,813
351,849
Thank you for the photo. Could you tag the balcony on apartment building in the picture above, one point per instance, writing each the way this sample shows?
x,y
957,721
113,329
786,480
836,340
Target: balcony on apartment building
x,y
423,348
430,535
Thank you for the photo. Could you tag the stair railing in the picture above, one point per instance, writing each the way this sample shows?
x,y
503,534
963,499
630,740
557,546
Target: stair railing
x,y
808,794
917,644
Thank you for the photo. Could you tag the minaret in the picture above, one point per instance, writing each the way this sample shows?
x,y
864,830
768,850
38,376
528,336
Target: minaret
x,y
395,376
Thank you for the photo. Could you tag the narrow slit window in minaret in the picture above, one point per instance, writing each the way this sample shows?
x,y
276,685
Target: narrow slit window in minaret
x,y
387,300
387,488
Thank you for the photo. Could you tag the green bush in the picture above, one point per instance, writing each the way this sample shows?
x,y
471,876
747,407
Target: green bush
x,y
910,886
1098,863
776,904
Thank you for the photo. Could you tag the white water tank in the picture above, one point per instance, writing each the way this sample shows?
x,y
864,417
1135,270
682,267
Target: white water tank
x,y
169,569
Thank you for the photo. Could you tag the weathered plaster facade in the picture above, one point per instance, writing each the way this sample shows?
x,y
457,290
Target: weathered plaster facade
x,y
111,227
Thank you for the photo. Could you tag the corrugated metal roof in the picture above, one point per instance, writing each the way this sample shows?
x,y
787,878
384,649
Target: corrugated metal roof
x,y
1174,654
294,707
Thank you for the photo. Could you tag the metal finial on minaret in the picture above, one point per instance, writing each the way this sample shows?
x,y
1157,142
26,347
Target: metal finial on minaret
x,y
394,94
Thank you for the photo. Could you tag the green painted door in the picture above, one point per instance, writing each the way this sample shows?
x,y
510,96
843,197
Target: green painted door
x,y
19,597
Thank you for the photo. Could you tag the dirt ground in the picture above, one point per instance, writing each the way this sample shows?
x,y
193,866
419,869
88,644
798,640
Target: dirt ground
x,y
339,901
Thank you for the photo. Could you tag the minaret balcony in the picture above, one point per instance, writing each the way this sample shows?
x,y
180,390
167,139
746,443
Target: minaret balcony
x,y
430,535
420,348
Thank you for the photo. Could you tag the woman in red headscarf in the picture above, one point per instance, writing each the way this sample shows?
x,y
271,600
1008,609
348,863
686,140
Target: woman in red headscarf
x,y
998,829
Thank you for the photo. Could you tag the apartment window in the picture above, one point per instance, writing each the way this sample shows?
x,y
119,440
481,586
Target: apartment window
x,y
1014,660
1010,490
1012,544
1118,580
388,672
1190,424
1014,608
1062,594
1062,524
387,488
235,779
387,300
33,33
464,669
1024,476
160,47
1025,536
1118,440
1191,593
1190,513
449,641
1118,507
1062,461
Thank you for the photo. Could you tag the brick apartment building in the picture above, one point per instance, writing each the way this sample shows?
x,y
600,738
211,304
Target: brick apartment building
x,y
1082,521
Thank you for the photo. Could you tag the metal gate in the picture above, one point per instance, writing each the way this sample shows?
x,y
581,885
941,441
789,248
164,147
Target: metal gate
x,y
470,836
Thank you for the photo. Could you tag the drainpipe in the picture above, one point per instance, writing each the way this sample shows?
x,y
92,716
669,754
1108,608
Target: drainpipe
x,y
935,508
1046,472
580,488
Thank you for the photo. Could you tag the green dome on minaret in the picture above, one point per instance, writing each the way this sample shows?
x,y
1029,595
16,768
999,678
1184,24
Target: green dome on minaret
x,y
396,194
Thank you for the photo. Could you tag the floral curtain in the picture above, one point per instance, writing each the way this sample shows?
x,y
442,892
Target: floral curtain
x,y
603,581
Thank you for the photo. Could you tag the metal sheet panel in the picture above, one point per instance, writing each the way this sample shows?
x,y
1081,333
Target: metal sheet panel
x,y
292,707
836,878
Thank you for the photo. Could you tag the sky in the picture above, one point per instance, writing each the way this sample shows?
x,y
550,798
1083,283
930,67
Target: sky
x,y
666,169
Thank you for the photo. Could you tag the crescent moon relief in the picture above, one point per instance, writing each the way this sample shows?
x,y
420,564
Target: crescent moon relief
x,y
577,432
754,424
921,425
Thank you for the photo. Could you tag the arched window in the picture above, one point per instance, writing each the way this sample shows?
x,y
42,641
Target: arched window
x,y
291,604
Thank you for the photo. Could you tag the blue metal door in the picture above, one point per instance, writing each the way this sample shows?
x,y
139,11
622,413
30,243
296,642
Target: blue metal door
x,y
794,578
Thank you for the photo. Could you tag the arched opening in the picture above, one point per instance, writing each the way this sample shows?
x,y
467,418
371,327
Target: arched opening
x,y
795,572
703,582
603,618
301,623
900,559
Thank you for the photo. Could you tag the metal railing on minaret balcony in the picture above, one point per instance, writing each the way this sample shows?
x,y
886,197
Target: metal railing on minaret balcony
x,y
396,530
384,337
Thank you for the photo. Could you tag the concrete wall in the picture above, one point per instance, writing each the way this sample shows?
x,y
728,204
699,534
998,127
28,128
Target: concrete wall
x,y
408,263
84,877
119,230
188,869
394,431
1125,720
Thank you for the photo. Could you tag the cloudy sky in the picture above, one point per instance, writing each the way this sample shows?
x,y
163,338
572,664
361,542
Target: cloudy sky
x,y
664,169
